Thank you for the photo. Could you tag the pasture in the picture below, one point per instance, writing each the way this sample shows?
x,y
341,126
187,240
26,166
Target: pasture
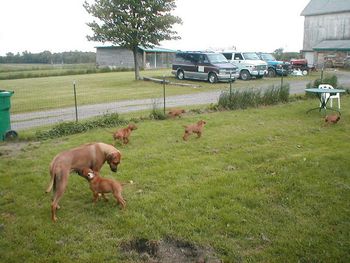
x,y
269,184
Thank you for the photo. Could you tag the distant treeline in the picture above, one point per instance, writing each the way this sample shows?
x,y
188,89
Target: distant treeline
x,y
46,57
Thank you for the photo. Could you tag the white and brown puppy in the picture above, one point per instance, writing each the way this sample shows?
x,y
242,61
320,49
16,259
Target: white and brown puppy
x,y
92,155
100,185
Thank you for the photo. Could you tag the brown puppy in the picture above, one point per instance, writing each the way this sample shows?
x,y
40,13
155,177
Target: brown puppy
x,y
92,155
176,113
332,118
194,128
100,185
124,133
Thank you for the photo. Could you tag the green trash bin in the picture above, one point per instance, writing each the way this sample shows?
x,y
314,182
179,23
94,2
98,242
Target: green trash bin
x,y
5,124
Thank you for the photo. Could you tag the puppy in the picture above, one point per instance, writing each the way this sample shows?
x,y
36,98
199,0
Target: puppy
x,y
332,118
194,128
124,133
176,113
100,185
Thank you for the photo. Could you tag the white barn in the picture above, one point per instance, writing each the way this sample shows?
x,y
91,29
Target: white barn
x,y
326,31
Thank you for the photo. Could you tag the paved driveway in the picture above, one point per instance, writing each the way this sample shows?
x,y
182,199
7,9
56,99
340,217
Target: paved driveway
x,y
35,119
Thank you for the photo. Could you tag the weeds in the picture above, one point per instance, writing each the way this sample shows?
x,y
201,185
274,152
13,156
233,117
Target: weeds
x,y
69,128
253,98
157,113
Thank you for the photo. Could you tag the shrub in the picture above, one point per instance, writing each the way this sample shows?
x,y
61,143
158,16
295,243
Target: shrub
x,y
68,128
157,113
331,80
253,98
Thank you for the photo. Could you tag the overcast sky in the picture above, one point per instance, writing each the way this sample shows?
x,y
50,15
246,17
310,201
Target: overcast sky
x,y
251,25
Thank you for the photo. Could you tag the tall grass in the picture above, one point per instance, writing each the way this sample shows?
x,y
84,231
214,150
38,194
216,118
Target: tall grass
x,y
243,99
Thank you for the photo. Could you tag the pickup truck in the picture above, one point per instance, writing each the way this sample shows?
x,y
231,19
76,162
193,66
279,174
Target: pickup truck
x,y
275,67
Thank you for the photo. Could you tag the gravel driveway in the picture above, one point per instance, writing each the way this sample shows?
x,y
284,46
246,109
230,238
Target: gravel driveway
x,y
35,119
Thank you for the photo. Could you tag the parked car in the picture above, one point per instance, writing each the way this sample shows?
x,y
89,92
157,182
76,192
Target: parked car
x,y
275,67
208,66
248,63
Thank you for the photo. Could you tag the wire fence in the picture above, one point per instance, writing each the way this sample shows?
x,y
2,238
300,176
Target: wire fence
x,y
77,105
60,99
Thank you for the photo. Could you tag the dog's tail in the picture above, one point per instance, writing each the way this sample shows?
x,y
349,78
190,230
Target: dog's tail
x,y
52,180
51,184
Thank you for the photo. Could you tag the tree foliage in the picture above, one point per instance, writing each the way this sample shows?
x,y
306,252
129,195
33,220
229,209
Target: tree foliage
x,y
46,57
132,23
279,54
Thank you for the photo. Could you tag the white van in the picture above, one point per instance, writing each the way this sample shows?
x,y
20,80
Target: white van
x,y
248,63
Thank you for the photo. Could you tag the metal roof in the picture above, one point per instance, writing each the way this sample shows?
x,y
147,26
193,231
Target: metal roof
x,y
154,49
321,7
157,49
341,45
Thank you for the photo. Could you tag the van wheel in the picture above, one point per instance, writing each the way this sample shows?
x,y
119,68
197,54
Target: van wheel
x,y
271,73
245,75
180,74
212,78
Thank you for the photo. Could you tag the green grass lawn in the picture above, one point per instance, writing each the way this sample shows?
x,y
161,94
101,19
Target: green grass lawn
x,y
36,94
261,185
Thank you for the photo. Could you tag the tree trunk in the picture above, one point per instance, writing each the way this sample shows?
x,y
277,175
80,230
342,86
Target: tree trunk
x,y
136,63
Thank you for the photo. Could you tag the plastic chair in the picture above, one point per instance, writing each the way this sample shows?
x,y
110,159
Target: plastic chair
x,y
330,96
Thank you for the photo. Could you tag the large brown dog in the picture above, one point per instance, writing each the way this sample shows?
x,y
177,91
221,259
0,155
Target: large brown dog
x,y
92,155
194,128
124,133
100,185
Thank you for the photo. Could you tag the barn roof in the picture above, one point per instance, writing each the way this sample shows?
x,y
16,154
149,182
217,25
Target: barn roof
x,y
321,7
333,45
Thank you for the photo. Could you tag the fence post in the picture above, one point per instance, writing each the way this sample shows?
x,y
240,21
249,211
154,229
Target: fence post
x,y
75,102
230,83
282,78
164,91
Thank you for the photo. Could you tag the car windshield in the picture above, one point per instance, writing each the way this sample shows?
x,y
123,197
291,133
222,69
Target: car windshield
x,y
217,58
267,57
251,56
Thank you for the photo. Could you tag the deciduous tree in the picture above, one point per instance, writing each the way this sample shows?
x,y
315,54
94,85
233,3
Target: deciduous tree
x,y
132,23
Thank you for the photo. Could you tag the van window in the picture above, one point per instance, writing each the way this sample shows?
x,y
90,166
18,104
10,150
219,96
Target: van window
x,y
203,59
238,56
228,55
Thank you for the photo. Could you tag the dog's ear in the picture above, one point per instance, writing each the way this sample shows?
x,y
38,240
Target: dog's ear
x,y
85,171
114,157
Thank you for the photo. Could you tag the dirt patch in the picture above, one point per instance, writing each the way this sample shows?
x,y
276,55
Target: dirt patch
x,y
14,148
168,250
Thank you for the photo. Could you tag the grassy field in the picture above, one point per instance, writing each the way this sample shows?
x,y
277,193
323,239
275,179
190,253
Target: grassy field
x,y
36,94
262,185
